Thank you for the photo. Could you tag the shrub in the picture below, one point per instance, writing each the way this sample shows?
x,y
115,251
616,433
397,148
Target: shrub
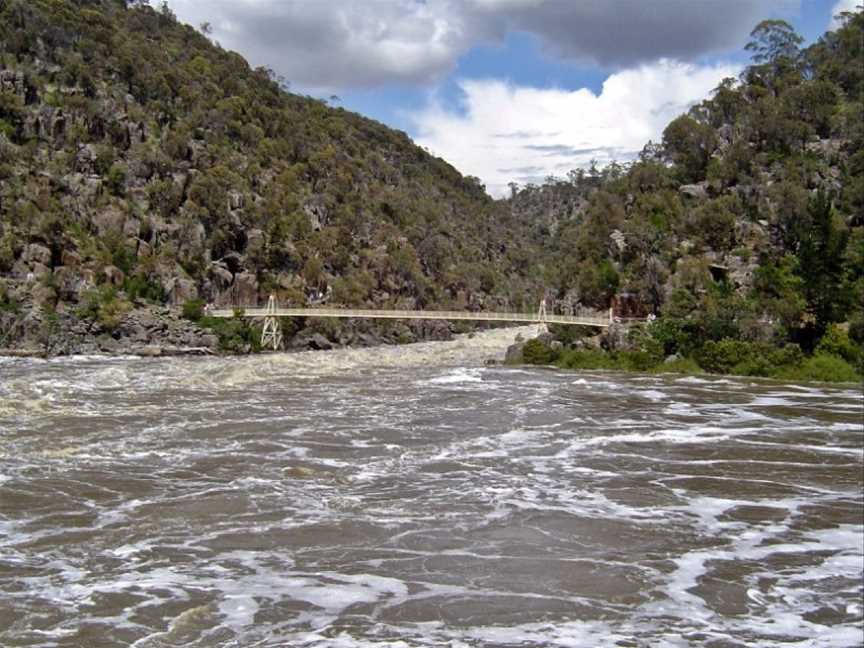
x,y
236,335
116,179
589,359
141,287
836,342
537,352
194,310
742,358
104,306
638,360
822,367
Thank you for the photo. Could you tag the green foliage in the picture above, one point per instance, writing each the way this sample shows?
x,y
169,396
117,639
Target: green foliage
x,y
730,356
823,246
236,334
836,342
103,306
689,143
821,367
536,352
773,41
193,309
116,179
7,303
589,359
714,222
139,286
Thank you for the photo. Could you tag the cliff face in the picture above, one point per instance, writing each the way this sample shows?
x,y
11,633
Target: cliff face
x,y
141,166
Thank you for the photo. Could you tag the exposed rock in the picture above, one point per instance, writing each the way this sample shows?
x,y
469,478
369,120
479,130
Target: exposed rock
x,y
37,253
114,275
514,353
109,221
13,82
70,258
85,159
220,275
236,200
316,211
69,282
180,290
254,241
244,290
39,270
697,191
615,338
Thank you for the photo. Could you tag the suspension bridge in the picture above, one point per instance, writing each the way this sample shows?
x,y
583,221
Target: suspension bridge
x,y
271,335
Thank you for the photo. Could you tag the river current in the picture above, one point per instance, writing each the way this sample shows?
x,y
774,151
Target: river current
x,y
412,496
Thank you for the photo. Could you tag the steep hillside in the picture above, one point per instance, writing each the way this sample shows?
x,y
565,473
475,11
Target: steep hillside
x,y
745,225
141,165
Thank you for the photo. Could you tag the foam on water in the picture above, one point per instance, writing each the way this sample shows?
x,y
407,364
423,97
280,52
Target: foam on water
x,y
411,496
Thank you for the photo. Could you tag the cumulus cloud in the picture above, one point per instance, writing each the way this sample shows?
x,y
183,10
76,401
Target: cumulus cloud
x,y
840,6
510,133
627,32
345,44
340,44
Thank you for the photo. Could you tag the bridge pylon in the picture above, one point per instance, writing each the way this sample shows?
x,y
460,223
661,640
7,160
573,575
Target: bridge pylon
x,y
542,322
271,335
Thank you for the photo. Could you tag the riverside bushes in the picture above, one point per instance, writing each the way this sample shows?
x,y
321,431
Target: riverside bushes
x,y
836,359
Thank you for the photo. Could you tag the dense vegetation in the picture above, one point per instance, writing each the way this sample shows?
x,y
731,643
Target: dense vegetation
x,y
138,156
743,232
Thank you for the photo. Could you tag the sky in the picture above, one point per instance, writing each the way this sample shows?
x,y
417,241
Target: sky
x,y
507,90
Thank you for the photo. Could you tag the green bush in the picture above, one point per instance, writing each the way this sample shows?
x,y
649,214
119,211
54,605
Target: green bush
x,y
6,302
141,287
821,367
116,179
236,335
536,352
103,305
638,360
589,359
722,356
194,309
836,342
743,358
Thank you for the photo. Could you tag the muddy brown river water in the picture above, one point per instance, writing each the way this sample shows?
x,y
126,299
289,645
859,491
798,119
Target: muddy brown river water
x,y
411,496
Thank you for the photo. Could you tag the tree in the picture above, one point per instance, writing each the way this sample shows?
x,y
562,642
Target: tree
x,y
775,51
821,255
689,144
773,41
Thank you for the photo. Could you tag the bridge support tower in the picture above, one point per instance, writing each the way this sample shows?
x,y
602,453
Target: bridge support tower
x,y
542,326
271,335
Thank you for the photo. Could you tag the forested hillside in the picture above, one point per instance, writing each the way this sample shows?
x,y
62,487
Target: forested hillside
x,y
743,230
142,165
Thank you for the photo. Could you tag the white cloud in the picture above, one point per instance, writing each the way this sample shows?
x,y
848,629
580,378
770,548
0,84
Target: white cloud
x,y
842,5
338,44
342,44
510,133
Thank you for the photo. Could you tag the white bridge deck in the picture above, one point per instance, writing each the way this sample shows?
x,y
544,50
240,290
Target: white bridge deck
x,y
600,320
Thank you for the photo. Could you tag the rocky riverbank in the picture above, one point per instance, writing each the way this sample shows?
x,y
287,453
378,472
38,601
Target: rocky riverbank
x,y
148,330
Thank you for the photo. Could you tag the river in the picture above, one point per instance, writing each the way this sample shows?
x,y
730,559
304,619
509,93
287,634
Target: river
x,y
412,496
